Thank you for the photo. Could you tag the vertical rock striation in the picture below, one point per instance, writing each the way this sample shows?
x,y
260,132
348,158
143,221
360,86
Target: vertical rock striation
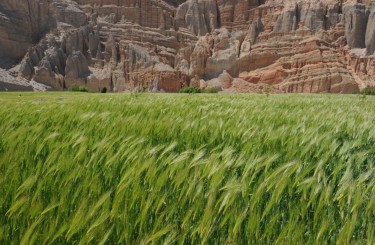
x,y
161,45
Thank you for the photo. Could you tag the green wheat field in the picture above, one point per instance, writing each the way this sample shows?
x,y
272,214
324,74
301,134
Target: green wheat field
x,y
186,169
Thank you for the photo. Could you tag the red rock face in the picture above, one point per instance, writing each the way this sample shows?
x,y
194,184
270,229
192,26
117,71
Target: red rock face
x,y
236,13
234,45
146,13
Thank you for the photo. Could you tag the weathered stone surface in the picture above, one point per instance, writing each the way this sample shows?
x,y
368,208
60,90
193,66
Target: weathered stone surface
x,y
355,25
11,83
160,45
370,33
24,22
199,17
312,67
44,74
99,79
76,69
67,11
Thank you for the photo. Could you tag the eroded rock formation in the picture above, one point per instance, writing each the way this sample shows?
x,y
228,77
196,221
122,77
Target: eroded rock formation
x,y
162,45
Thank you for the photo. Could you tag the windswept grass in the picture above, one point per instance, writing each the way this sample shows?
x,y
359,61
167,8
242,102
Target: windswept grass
x,y
186,169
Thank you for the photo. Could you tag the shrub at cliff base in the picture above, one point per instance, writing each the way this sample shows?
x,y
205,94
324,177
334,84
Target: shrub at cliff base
x,y
368,91
190,90
182,169
212,90
78,88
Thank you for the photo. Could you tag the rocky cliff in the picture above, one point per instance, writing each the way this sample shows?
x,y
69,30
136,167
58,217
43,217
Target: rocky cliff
x,y
162,45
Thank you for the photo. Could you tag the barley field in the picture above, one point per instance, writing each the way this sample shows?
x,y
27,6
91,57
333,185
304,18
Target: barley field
x,y
186,169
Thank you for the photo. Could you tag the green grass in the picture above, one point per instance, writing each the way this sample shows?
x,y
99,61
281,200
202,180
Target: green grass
x,y
190,90
186,169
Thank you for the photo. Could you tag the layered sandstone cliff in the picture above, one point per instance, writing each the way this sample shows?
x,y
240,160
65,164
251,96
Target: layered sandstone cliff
x,y
162,45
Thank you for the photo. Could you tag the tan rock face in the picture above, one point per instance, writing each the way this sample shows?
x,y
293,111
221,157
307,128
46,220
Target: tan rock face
x,y
24,22
162,45
20,25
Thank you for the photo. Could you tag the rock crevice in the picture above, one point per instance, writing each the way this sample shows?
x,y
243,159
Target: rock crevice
x,y
277,45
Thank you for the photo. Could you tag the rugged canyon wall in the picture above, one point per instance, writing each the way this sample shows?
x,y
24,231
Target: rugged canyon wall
x,y
162,45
